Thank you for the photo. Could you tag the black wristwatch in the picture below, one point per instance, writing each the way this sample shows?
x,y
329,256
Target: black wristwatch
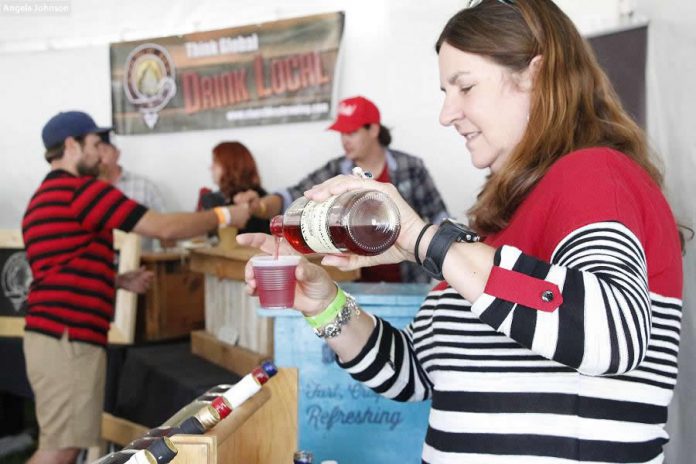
x,y
450,231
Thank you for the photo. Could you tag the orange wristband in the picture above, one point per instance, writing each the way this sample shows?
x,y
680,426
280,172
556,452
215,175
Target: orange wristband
x,y
223,214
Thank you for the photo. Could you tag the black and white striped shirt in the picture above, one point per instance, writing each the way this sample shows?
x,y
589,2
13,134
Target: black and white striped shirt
x,y
587,380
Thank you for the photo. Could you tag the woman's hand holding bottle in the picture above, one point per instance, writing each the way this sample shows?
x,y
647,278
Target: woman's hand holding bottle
x,y
411,223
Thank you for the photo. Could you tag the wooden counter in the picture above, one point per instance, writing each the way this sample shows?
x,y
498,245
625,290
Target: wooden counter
x,y
230,313
229,264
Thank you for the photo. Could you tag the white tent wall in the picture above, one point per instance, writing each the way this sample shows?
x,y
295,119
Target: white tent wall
x,y
56,63
671,122
48,64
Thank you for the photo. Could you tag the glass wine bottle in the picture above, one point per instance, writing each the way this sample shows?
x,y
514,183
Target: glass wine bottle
x,y
161,448
158,446
302,457
190,409
168,431
363,222
222,398
128,457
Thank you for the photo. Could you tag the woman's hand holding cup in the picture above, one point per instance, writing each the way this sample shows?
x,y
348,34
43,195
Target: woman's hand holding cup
x,y
314,289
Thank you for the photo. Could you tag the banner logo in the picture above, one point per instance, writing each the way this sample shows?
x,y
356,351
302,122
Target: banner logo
x,y
149,81
16,279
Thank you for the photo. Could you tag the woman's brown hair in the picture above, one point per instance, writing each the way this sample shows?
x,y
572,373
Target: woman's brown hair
x,y
239,171
573,104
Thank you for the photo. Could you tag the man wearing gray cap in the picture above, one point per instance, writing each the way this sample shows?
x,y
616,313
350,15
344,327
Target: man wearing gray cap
x,y
67,230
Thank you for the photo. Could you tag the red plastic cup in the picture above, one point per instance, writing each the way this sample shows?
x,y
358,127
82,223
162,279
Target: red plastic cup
x,y
275,280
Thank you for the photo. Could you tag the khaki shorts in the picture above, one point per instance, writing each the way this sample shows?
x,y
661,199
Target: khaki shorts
x,y
68,382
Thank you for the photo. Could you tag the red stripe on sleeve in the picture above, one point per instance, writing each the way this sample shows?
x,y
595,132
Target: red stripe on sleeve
x,y
524,290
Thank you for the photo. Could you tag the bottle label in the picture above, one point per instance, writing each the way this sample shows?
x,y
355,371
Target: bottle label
x,y
242,391
314,225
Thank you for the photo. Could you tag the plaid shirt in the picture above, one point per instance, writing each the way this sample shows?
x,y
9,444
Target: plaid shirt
x,y
145,192
410,177
140,189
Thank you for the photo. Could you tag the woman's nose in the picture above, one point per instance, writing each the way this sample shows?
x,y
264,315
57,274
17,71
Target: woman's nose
x,y
450,112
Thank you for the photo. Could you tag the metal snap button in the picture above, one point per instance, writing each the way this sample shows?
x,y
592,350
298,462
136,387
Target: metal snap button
x,y
547,296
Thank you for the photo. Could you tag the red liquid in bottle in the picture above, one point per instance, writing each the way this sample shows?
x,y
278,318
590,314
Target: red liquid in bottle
x,y
362,222
291,233
363,240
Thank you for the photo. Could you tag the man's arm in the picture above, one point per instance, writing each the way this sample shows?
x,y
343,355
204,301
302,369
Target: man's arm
x,y
267,207
174,226
138,281
262,207
271,205
100,206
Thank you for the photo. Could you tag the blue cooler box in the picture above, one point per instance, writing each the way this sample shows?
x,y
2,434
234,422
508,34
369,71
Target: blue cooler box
x,y
339,418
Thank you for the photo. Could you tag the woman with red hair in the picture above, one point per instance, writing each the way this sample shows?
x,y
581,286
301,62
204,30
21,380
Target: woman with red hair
x,y
233,171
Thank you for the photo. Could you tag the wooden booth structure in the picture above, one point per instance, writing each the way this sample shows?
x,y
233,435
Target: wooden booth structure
x,y
231,315
263,430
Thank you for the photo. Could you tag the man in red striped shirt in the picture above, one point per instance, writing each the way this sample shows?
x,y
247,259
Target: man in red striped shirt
x,y
67,229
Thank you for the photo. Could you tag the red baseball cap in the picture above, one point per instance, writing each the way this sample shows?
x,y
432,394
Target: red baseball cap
x,y
354,113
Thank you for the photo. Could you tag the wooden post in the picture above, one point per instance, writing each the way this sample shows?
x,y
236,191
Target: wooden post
x,y
123,327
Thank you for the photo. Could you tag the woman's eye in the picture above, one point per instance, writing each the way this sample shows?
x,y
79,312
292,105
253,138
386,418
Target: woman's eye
x,y
465,89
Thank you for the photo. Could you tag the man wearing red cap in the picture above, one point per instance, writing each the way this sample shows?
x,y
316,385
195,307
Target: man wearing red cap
x,y
366,144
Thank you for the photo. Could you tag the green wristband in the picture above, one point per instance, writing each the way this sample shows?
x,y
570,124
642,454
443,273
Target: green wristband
x,y
330,313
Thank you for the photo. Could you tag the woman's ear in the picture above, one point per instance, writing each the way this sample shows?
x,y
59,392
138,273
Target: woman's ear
x,y
527,77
